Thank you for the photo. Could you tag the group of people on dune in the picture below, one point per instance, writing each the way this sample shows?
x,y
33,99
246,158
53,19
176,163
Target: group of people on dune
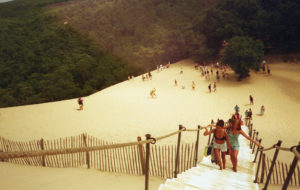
x,y
225,140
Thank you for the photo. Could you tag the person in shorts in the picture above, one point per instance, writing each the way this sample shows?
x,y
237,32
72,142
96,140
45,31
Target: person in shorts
x,y
219,142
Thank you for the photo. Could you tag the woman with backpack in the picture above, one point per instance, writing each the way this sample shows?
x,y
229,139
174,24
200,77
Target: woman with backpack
x,y
219,142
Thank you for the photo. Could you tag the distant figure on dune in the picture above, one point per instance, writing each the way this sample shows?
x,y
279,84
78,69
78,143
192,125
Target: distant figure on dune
x,y
219,143
215,86
250,114
234,130
236,108
132,77
264,66
268,69
251,100
182,87
175,82
262,110
246,117
80,102
181,71
129,77
168,65
143,77
152,93
193,85
209,88
150,75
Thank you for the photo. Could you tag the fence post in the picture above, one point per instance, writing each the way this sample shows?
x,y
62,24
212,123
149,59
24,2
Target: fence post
x,y
196,147
148,136
177,152
253,143
292,169
272,165
42,148
87,152
257,168
263,168
142,156
209,137
257,151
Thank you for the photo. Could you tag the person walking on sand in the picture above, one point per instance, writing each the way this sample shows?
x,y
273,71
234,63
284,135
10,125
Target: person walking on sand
x,y
250,114
219,143
175,82
152,93
251,100
209,88
150,75
262,110
215,86
246,117
234,130
181,71
193,85
80,102
268,69
236,108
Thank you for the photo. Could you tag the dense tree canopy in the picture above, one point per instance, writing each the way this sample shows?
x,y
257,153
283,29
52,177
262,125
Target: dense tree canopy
x,y
42,60
242,54
102,42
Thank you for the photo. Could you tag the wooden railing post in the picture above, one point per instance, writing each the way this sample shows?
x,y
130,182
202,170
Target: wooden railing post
x,y
272,165
292,169
208,143
177,152
42,148
257,168
257,151
255,140
87,152
263,168
142,156
196,147
251,143
148,136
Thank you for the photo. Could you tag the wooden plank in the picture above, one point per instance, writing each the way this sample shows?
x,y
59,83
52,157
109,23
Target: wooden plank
x,y
279,173
129,159
162,160
159,161
154,167
283,170
181,161
298,169
169,163
287,171
276,172
133,160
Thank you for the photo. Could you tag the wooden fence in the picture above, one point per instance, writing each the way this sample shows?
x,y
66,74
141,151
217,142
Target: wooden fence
x,y
279,173
121,160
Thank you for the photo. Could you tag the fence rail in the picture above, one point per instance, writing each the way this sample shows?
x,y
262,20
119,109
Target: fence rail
x,y
89,151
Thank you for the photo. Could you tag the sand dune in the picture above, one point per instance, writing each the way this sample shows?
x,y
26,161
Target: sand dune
x,y
124,111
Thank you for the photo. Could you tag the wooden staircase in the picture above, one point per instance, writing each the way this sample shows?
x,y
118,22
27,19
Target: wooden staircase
x,y
207,176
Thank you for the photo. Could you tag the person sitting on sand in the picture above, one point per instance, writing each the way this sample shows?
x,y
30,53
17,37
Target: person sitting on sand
x,y
182,87
262,110
209,88
234,130
219,142
80,102
152,93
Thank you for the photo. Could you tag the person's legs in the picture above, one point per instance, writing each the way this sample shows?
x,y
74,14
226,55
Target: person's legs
x,y
235,155
217,153
224,159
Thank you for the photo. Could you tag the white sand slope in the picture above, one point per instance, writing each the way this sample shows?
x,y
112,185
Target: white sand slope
x,y
124,111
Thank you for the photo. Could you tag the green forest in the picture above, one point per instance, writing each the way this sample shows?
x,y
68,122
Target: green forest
x,y
55,49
